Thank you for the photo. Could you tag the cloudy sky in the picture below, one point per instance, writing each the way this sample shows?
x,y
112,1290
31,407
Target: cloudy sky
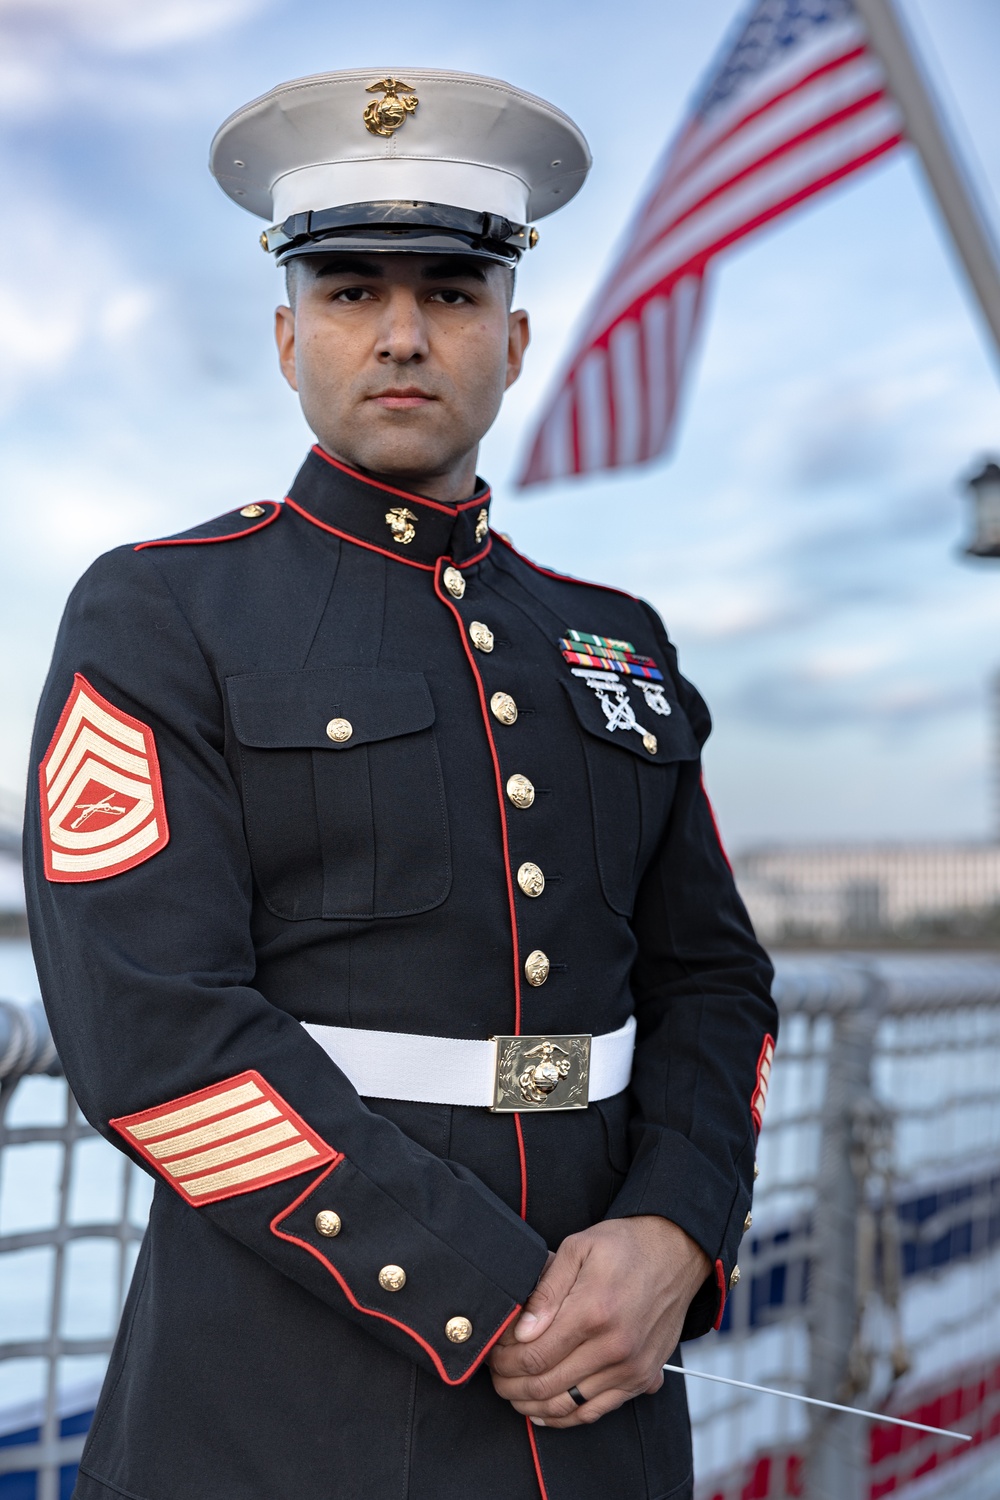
x,y
802,542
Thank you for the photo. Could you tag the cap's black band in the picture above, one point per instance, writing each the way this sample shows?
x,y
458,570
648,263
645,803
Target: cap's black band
x,y
488,233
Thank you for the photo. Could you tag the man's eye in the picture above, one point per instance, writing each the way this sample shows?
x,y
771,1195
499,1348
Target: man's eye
x,y
450,296
352,294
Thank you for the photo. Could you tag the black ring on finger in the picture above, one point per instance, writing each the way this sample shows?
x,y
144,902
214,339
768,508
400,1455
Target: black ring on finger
x,y
580,1399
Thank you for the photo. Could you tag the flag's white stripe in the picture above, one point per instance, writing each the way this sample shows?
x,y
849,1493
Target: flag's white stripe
x,y
103,859
657,316
249,1171
556,449
190,1114
191,1140
247,1145
626,391
592,411
91,742
86,708
62,816
809,107
711,127
754,196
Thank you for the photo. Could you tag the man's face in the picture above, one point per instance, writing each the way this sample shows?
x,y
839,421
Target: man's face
x,y
401,361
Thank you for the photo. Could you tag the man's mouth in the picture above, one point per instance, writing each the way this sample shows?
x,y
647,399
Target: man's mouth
x,y
402,398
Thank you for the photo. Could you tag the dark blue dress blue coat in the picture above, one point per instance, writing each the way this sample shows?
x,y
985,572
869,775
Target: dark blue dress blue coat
x,y
284,877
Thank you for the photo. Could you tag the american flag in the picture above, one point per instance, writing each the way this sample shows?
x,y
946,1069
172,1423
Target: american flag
x,y
796,103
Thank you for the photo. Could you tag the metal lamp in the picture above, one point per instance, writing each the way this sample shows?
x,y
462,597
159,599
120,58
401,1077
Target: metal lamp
x,y
985,490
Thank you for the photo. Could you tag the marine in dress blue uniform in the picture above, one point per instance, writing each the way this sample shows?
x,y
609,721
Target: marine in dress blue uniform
x,y
331,794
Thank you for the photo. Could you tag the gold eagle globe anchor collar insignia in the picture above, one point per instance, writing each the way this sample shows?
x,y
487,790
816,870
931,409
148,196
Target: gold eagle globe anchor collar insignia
x,y
541,1073
385,116
402,523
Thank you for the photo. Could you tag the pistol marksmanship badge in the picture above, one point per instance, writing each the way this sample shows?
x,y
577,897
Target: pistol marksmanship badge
x,y
608,666
402,523
384,116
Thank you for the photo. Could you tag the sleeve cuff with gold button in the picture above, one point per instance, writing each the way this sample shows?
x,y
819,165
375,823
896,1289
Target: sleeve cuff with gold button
x,y
394,1275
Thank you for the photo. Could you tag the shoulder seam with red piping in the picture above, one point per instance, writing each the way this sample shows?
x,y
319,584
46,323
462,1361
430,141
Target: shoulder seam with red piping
x,y
183,539
584,583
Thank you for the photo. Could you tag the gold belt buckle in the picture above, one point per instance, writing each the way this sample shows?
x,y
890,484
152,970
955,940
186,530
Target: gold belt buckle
x,y
541,1072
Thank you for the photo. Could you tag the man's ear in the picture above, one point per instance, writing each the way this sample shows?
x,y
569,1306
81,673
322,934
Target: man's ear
x,y
284,337
518,339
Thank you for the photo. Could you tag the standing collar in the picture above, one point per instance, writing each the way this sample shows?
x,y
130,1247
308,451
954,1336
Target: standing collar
x,y
409,528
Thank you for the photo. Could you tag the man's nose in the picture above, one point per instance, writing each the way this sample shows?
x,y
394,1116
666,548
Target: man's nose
x,y
402,336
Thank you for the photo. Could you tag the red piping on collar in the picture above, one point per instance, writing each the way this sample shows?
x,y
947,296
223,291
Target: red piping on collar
x,y
448,510
346,536
371,1312
586,583
232,536
720,1278
543,1492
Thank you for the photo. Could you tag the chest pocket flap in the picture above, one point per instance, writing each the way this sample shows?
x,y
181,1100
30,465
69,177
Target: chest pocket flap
x,y
286,710
322,809
624,715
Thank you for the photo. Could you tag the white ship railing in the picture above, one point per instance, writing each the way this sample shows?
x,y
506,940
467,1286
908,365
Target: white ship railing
x,y
869,1274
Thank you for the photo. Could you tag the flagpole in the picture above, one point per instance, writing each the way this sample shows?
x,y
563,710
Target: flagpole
x,y
925,129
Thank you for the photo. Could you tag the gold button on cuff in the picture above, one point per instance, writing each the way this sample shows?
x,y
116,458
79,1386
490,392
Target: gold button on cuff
x,y
503,707
734,1278
530,879
650,742
454,582
458,1330
747,1222
327,1223
392,1278
520,790
252,511
339,730
482,636
536,968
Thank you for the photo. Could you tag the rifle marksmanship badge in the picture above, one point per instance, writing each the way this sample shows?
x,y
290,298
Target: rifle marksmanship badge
x,y
384,116
608,667
102,801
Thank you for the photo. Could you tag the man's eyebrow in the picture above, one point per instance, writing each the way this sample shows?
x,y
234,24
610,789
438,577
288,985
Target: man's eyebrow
x,y
350,265
454,267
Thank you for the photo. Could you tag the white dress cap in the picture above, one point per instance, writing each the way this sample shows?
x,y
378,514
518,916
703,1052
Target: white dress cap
x,y
407,136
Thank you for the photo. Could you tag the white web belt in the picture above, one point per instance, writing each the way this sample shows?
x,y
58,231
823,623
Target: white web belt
x,y
509,1073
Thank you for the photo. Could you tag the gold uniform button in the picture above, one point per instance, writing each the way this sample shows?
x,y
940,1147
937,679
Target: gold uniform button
x,y
503,707
327,1223
482,636
520,790
454,582
339,730
252,511
747,1223
458,1330
392,1278
650,742
536,968
530,879
734,1279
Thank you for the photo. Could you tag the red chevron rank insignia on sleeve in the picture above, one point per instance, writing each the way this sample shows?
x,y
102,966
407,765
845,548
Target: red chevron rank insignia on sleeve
x,y
233,1137
102,801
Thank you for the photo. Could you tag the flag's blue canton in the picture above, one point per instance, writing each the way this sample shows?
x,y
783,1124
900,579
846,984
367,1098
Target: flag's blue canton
x,y
772,27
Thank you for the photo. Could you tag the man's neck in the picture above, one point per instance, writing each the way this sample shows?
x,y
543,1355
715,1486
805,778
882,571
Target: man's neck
x,y
450,488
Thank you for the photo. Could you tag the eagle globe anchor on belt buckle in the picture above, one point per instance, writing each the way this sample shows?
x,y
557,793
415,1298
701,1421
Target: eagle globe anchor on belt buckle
x,y
541,1073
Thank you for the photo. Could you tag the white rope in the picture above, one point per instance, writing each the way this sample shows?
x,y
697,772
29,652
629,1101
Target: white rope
x,y
853,1411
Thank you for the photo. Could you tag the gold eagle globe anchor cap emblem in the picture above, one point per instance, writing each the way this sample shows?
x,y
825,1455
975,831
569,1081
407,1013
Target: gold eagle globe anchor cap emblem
x,y
385,116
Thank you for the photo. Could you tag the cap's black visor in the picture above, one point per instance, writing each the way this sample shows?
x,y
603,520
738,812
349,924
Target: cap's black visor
x,y
402,228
